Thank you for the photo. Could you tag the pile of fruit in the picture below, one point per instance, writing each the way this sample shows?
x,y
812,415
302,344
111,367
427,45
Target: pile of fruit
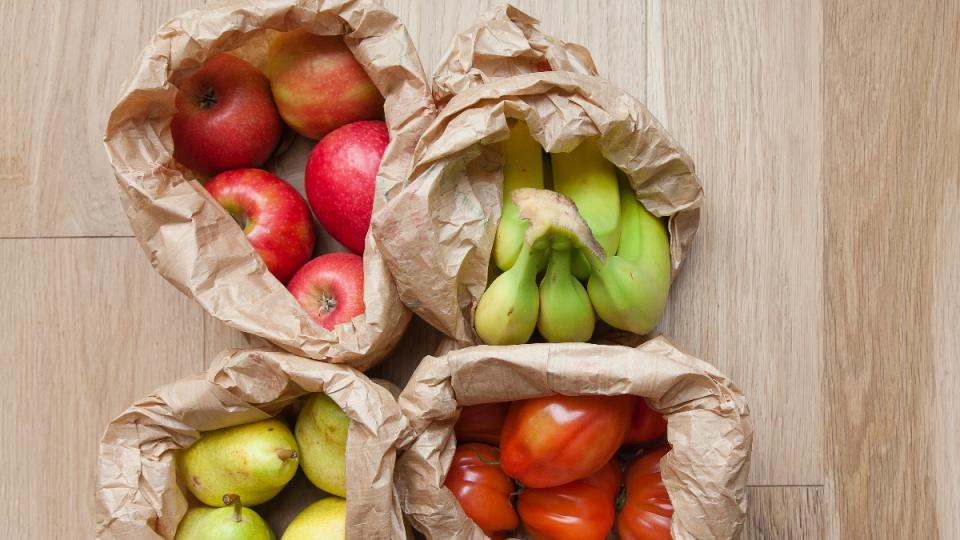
x,y
231,119
231,469
558,469
591,228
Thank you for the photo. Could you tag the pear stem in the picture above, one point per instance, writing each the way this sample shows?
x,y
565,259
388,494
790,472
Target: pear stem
x,y
229,499
286,453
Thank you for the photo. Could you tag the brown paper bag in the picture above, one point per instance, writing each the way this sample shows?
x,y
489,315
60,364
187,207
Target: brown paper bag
x,y
444,222
504,42
709,425
138,495
191,240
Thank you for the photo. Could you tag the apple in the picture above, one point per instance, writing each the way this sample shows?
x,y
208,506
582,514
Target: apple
x,y
330,288
225,117
317,83
273,215
341,179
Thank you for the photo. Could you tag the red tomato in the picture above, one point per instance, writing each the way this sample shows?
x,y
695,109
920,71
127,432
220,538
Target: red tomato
x,y
482,489
647,511
646,426
481,423
555,440
582,509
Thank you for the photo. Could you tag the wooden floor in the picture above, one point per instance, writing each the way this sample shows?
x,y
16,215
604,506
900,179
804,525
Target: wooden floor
x,y
825,278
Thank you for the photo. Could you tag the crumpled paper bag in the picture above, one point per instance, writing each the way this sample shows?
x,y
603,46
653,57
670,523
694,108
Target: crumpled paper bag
x,y
709,425
191,240
504,42
138,495
442,225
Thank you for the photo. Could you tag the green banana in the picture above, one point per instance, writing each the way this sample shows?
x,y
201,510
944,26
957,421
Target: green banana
x,y
522,168
590,180
507,311
629,291
565,310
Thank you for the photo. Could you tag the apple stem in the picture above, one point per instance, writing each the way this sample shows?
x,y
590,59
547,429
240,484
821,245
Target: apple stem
x,y
286,453
208,99
327,303
233,499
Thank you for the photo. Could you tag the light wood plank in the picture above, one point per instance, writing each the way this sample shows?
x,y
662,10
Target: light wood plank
x,y
612,31
892,169
784,513
65,63
946,321
738,84
88,327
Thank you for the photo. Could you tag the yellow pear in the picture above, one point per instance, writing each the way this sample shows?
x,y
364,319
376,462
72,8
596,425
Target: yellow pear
x,y
231,523
321,433
253,461
325,519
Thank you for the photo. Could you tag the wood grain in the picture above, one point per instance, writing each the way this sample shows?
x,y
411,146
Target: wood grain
x,y
87,327
738,83
892,167
946,351
612,31
825,279
217,337
65,63
784,513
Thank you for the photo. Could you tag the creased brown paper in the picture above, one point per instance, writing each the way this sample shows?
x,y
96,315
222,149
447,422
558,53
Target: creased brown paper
x,y
137,491
444,221
504,42
193,242
709,425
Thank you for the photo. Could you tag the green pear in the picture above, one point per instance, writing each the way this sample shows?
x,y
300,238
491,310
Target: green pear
x,y
253,461
326,519
321,432
231,523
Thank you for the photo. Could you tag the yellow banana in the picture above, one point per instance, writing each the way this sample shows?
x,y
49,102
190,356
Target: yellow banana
x,y
522,168
565,310
630,290
590,180
507,311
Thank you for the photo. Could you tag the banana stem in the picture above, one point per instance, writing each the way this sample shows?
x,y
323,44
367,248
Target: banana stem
x,y
554,219
528,261
596,264
559,263
231,499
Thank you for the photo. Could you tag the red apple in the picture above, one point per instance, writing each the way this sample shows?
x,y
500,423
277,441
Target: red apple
x,y
330,288
225,117
272,214
317,83
341,179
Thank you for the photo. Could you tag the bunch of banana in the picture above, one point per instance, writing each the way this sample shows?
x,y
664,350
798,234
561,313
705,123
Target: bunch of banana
x,y
522,168
629,290
590,181
591,228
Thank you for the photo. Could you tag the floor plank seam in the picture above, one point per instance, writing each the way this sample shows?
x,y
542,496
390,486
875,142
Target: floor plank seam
x,y
785,485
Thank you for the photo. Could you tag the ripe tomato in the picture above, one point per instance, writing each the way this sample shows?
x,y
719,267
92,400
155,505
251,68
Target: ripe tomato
x,y
646,426
582,509
482,489
647,511
481,423
555,440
